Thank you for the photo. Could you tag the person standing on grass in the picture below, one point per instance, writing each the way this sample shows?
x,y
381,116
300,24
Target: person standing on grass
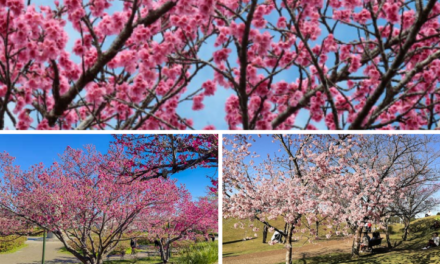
x,y
133,246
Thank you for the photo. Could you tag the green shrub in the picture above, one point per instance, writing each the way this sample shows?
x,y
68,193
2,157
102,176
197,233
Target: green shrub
x,y
121,248
391,230
10,242
200,253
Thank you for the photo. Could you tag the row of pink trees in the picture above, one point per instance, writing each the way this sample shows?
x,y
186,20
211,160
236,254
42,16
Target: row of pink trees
x,y
93,201
344,179
133,68
184,221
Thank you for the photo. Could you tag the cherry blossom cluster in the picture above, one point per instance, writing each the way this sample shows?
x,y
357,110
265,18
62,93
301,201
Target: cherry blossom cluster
x,y
121,72
152,156
289,64
384,76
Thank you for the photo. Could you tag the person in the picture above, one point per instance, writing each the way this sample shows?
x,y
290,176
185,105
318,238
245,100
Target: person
x,y
365,242
369,227
436,225
133,246
276,237
434,242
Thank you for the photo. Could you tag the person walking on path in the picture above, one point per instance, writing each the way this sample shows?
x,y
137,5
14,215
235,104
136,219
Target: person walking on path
x,y
133,246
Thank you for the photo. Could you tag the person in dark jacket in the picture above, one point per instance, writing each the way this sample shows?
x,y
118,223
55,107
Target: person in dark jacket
x,y
133,246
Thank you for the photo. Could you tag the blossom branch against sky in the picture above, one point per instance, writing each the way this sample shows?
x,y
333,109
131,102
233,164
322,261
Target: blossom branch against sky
x,y
219,64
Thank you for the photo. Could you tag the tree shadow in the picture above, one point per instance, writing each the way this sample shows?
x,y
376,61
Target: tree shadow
x,y
232,242
55,261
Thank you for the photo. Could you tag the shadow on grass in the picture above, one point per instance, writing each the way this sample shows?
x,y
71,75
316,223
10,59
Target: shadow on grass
x,y
232,242
379,256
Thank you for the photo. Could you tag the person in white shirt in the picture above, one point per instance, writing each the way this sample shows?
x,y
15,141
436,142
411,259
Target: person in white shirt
x,y
434,242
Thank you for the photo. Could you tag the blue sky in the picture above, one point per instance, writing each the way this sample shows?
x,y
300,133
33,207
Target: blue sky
x,y
32,149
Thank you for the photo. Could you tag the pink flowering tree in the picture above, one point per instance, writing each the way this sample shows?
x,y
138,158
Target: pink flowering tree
x,y
286,63
10,224
89,210
185,219
316,177
344,64
154,156
120,74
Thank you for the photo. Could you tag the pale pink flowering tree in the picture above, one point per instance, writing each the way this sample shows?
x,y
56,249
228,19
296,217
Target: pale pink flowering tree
x,y
89,210
182,221
317,176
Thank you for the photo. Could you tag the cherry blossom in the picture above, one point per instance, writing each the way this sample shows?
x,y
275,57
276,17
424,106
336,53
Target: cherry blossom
x,y
152,65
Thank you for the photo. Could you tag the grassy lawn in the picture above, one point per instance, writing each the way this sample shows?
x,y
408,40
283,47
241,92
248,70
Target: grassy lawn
x,y
149,260
408,252
233,244
14,249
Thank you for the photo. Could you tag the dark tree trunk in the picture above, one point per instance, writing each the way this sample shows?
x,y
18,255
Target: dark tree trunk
x,y
405,230
163,252
317,228
265,234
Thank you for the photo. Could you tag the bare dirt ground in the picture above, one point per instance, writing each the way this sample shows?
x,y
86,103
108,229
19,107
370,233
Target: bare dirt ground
x,y
278,256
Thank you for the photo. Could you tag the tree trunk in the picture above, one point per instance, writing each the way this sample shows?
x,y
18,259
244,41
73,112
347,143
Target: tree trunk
x,y
288,240
387,234
317,228
356,242
265,234
405,230
163,253
285,232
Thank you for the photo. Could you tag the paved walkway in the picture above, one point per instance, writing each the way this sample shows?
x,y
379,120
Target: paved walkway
x,y
32,253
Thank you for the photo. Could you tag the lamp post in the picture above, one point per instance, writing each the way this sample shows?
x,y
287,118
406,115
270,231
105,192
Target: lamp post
x,y
44,246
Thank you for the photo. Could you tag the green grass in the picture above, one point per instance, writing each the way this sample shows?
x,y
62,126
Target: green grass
x,y
406,252
14,249
233,244
200,253
149,260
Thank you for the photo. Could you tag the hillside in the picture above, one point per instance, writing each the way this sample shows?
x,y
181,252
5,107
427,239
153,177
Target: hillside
x,y
405,252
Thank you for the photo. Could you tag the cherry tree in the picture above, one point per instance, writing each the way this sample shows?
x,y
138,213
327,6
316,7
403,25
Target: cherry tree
x,y
120,74
415,200
10,224
286,63
184,220
362,64
89,210
154,156
315,177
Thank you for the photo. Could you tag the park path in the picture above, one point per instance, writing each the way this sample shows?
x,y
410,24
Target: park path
x,y
279,255
32,253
